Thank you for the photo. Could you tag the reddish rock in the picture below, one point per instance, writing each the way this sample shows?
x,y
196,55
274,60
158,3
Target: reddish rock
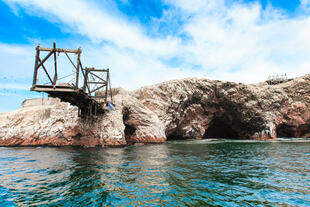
x,y
180,109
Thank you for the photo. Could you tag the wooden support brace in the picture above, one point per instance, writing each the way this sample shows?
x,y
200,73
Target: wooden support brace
x,y
43,61
49,77
55,64
71,60
96,76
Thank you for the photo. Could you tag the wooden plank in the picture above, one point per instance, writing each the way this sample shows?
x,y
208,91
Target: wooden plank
x,y
98,70
57,86
103,82
44,89
60,50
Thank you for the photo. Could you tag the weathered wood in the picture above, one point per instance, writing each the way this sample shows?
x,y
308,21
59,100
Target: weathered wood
x,y
70,60
110,86
96,76
52,89
77,72
46,71
98,70
103,82
60,50
80,97
96,89
43,61
55,64
106,89
35,72
85,78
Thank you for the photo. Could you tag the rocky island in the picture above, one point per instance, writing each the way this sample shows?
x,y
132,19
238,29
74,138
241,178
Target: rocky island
x,y
191,108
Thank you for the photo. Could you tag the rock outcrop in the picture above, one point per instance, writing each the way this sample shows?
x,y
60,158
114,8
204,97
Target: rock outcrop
x,y
179,109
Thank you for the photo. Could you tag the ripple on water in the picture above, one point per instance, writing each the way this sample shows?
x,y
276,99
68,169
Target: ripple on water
x,y
182,173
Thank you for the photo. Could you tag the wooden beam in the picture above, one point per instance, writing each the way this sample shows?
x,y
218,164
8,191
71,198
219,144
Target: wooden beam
x,y
78,51
105,83
44,89
85,78
35,72
96,89
55,64
46,71
77,71
97,76
109,82
106,89
70,60
98,70
43,61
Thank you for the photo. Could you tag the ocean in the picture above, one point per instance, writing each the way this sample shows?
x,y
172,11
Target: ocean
x,y
178,173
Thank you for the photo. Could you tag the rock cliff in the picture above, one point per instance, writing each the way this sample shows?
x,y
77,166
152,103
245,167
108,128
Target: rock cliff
x,y
179,109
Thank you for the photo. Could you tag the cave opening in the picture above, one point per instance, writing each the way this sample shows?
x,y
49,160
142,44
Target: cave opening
x,y
285,130
129,129
289,131
175,136
221,127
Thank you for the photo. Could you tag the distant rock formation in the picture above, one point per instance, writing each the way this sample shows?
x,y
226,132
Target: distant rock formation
x,y
181,109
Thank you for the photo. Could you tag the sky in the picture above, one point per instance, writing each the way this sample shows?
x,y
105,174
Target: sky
x,y
146,42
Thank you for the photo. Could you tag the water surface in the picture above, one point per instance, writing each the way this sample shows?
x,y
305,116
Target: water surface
x,y
179,173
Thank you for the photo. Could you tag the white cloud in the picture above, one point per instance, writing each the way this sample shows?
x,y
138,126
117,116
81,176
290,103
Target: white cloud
x,y
242,42
98,24
305,2
16,61
236,41
195,6
16,86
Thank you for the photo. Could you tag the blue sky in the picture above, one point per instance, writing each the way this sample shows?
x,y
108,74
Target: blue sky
x,y
149,41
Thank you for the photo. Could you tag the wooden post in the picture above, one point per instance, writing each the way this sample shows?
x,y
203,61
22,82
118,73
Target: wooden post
x,y
55,63
78,70
106,88
110,87
35,73
90,109
85,80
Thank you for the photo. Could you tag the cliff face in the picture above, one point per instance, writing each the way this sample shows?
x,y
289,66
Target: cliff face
x,y
180,109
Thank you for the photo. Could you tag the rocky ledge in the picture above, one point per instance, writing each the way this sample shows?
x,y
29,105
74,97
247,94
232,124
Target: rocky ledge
x,y
181,109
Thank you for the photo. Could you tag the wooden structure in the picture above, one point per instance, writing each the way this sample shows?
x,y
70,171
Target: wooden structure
x,y
77,94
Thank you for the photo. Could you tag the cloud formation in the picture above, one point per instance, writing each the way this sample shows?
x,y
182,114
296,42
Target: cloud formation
x,y
227,40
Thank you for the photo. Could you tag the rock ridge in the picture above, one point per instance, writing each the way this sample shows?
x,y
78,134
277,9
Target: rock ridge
x,y
191,108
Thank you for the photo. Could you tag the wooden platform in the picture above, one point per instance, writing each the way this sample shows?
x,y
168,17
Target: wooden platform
x,y
86,104
92,80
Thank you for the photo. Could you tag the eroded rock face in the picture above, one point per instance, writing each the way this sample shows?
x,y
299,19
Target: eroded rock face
x,y
180,109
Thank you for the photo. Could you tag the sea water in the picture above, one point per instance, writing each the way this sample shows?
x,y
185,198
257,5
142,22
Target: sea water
x,y
178,173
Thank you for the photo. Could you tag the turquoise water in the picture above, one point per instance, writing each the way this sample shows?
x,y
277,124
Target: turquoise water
x,y
179,173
